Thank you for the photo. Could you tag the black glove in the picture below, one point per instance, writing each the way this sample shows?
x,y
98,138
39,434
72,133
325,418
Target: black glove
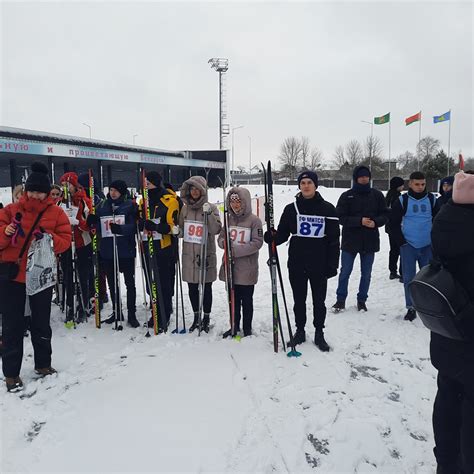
x,y
269,236
163,228
115,228
92,220
150,226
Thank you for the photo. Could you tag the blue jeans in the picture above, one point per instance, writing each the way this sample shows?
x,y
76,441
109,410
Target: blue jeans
x,y
347,263
409,256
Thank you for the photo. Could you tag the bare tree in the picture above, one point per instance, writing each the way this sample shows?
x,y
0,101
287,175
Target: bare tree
x,y
427,148
315,159
290,152
305,152
354,153
373,147
339,159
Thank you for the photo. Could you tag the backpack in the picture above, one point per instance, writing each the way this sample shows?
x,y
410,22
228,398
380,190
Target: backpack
x,y
441,302
405,202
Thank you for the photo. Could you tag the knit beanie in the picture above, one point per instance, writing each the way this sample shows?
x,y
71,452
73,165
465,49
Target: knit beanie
x,y
154,178
38,179
120,186
463,188
360,171
308,175
396,182
69,177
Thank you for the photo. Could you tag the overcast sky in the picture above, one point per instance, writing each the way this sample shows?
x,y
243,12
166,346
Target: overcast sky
x,y
305,69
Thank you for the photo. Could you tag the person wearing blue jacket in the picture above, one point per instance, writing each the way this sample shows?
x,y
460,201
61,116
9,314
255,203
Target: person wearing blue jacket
x,y
410,222
116,215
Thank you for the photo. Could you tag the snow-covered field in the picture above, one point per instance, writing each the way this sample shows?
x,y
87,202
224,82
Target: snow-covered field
x,y
182,403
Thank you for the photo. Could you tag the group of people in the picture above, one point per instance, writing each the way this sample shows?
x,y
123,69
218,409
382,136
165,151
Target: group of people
x,y
418,225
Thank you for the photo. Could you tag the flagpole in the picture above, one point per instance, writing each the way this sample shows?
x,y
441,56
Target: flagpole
x,y
419,140
449,139
389,149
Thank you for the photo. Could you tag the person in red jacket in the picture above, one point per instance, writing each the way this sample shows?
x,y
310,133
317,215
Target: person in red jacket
x,y
16,221
77,206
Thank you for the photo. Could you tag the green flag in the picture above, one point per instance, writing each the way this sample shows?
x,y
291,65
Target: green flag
x,y
381,120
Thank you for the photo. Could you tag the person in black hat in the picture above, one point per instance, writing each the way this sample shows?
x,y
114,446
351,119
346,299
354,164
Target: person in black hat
x,y
313,255
116,215
361,210
445,193
396,187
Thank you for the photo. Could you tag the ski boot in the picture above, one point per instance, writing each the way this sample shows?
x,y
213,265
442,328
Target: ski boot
x,y
339,306
361,306
14,384
133,321
195,324
298,338
46,371
411,315
205,323
320,342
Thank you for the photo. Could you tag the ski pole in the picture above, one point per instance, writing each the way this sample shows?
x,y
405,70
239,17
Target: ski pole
x,y
180,279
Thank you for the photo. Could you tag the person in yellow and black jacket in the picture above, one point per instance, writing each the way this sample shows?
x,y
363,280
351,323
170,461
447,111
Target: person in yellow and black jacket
x,y
164,214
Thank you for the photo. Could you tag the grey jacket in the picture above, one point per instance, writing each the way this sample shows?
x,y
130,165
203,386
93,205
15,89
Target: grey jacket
x,y
245,255
192,211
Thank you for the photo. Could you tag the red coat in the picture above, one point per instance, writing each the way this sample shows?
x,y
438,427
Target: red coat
x,y
81,231
54,221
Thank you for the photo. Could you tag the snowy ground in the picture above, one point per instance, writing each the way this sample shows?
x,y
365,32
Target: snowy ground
x,y
183,403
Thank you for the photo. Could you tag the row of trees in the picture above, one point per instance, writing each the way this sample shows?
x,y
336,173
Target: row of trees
x,y
296,154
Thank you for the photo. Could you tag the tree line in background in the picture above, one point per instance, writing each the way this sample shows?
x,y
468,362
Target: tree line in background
x,y
296,155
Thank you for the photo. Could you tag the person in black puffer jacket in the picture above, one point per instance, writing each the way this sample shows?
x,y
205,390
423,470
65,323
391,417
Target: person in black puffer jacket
x,y
361,211
452,239
116,216
445,192
396,187
313,254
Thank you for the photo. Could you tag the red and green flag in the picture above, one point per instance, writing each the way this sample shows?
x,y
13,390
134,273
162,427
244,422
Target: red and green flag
x,y
413,118
381,120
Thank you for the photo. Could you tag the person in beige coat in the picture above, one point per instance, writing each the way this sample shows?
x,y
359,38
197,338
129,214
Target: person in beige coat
x,y
246,236
194,195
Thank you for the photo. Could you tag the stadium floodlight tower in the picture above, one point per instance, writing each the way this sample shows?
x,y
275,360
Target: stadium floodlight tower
x,y
221,65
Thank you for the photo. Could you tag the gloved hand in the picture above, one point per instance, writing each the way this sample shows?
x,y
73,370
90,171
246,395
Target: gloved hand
x,y
115,228
206,208
269,236
39,233
175,230
92,220
150,225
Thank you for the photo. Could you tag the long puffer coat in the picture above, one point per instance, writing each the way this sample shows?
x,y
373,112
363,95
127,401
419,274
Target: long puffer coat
x,y
243,225
192,213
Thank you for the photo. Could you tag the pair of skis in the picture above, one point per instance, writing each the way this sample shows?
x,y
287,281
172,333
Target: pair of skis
x,y
274,266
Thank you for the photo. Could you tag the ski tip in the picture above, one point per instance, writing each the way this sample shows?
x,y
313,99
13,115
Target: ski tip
x,y
69,324
294,353
237,338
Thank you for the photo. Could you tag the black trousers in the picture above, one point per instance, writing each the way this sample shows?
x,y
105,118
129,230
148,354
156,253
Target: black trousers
x,y
165,262
127,267
13,295
393,256
193,290
453,421
299,277
244,304
85,273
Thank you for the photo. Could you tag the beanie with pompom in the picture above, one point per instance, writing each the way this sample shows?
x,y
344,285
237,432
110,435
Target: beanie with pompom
x,y
38,179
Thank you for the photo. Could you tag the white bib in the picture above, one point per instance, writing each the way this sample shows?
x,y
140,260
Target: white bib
x,y
105,222
193,232
71,211
310,226
240,235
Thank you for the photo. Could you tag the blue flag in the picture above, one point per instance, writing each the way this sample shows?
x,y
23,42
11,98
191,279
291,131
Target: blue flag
x,y
442,118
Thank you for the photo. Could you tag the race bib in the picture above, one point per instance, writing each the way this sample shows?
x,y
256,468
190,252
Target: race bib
x,y
105,222
310,226
193,231
240,235
156,235
71,211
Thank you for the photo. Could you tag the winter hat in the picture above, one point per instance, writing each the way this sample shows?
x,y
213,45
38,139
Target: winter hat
x,y
308,175
154,178
396,182
463,188
360,171
120,186
69,177
38,179
234,197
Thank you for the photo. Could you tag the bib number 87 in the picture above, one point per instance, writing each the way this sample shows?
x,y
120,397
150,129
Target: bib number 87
x,y
307,228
